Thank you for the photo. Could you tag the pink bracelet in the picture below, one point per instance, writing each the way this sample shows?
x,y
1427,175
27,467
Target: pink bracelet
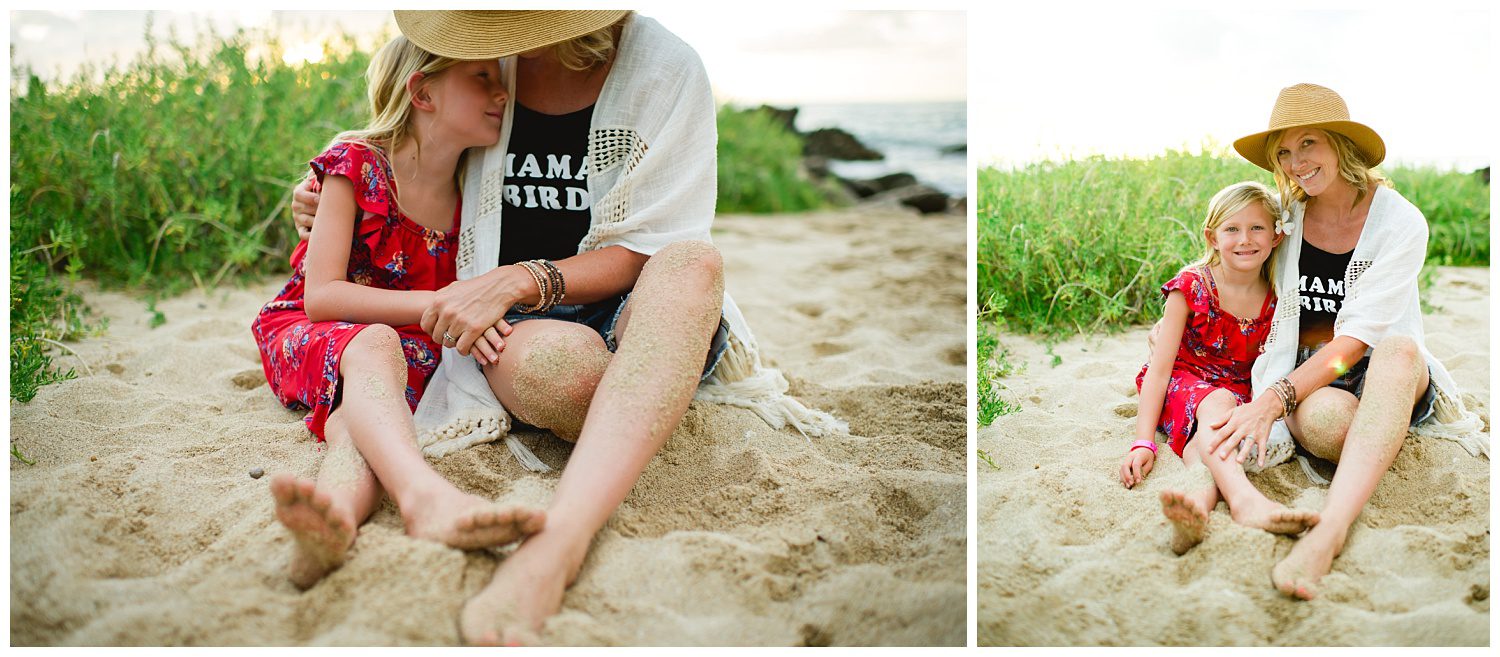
x,y
1148,444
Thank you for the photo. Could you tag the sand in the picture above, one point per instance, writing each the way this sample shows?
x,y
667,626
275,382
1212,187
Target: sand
x,y
140,525
1067,556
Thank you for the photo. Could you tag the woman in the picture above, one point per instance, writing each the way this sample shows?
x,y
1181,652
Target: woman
x,y
606,175
1345,365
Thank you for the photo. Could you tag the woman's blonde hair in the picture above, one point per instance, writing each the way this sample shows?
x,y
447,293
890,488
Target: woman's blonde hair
x,y
1227,203
591,50
390,100
1352,168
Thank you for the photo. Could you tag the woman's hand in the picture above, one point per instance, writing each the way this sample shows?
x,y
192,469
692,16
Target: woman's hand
x,y
304,207
472,312
1253,421
1136,466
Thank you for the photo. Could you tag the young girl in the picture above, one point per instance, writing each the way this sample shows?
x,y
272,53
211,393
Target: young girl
x,y
349,313
1218,313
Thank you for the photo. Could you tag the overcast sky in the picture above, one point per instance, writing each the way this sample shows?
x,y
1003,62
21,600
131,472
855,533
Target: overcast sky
x,y
1119,82
751,56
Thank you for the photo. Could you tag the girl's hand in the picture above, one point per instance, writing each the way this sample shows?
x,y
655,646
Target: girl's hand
x,y
304,207
472,311
1252,420
1136,466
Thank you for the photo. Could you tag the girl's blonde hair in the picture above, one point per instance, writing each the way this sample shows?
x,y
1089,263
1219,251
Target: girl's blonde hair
x,y
1352,168
1227,203
390,100
591,50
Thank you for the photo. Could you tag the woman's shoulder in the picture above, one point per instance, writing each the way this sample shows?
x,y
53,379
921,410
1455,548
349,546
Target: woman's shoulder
x,y
1391,205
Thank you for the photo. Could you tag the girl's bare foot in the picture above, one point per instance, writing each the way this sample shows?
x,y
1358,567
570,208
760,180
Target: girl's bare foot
x,y
322,534
526,590
1264,514
1189,516
1311,558
469,522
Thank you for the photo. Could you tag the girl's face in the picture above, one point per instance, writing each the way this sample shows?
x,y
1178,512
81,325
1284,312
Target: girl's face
x,y
469,102
1244,240
1305,156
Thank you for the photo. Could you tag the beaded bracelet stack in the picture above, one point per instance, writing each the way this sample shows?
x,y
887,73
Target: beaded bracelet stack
x,y
1287,393
549,283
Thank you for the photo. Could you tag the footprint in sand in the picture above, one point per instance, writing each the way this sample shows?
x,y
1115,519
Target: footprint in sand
x,y
249,379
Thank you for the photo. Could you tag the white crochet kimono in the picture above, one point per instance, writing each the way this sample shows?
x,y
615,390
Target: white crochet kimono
x,y
1380,300
653,178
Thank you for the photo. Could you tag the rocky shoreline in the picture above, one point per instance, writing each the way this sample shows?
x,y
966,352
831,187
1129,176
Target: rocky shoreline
x,y
824,145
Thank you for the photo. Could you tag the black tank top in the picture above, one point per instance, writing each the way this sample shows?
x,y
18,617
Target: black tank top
x,y
547,200
1321,284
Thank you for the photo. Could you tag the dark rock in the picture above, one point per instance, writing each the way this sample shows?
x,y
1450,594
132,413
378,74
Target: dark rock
x,y
873,186
954,149
836,144
257,473
924,199
786,117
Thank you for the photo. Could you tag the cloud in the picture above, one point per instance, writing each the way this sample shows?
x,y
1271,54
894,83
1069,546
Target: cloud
x,y
34,32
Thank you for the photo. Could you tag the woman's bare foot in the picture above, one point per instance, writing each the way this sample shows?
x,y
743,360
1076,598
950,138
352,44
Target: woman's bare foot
x,y
1311,558
469,522
322,534
1276,518
1188,513
526,590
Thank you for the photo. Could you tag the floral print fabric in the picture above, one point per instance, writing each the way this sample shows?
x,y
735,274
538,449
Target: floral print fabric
x,y
301,357
1216,351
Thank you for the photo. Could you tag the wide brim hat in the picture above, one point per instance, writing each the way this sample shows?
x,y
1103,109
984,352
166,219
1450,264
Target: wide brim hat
x,y
1311,106
473,34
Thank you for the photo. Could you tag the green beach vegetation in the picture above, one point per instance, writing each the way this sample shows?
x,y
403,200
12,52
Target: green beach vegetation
x,y
174,171
1081,247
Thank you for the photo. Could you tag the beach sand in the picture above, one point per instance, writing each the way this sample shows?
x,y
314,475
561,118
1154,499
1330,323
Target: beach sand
x,y
139,523
1067,556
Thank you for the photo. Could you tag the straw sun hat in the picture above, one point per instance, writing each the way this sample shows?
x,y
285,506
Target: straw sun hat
x,y
1312,106
495,34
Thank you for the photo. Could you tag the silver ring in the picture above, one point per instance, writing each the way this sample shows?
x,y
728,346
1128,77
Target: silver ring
x,y
448,338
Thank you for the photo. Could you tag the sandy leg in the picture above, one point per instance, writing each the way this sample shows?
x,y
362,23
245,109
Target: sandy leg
x,y
1188,513
322,534
645,390
1396,379
380,424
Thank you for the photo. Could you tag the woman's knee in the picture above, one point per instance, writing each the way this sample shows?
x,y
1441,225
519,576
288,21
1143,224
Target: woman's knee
x,y
1321,422
691,259
555,379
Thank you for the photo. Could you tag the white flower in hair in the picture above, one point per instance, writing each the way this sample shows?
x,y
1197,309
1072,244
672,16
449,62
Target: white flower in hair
x,y
1284,224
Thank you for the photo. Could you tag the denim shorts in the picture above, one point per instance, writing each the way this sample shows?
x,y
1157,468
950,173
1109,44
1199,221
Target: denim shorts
x,y
602,316
1353,382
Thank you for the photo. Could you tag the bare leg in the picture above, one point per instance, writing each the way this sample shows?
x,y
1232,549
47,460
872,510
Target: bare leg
x,y
548,374
639,402
1395,381
324,517
1188,510
1247,505
379,421
1322,420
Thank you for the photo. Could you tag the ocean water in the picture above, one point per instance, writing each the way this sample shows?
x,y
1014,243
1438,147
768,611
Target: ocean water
x,y
911,135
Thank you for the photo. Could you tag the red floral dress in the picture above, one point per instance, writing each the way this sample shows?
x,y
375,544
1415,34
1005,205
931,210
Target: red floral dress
x,y
301,357
1216,351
